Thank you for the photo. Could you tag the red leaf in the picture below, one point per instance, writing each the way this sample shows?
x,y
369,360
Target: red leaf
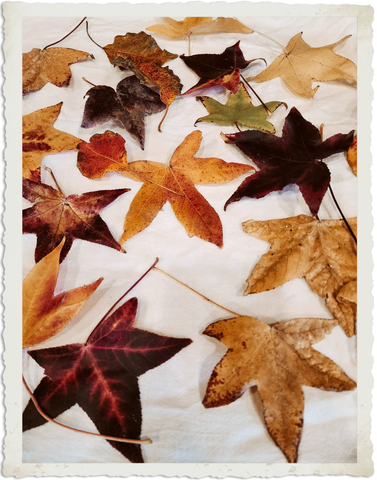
x,y
293,158
101,376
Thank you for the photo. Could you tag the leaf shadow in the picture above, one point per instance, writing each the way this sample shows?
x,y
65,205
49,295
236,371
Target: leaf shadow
x,y
210,363
257,402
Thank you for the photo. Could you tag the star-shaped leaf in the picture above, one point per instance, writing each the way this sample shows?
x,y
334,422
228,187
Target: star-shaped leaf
x,y
323,253
127,106
40,67
301,65
140,53
101,377
40,138
55,216
218,69
43,314
173,29
279,360
238,110
175,183
293,158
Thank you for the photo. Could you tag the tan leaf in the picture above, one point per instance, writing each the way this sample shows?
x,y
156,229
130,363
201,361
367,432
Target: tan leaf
x,y
352,155
173,29
43,314
279,360
40,138
301,65
50,65
220,25
323,253
343,307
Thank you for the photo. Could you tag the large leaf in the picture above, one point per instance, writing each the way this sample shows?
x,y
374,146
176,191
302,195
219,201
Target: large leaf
x,y
293,158
101,377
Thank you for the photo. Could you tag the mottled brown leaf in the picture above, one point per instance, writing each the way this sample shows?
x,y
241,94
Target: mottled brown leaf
x,y
43,314
321,252
40,138
279,360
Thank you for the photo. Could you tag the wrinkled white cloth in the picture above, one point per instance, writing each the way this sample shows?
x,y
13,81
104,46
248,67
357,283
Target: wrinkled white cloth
x,y
181,428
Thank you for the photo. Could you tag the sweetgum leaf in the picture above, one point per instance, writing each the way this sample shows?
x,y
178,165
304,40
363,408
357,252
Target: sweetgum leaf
x,y
55,216
218,69
293,158
101,377
127,106
279,360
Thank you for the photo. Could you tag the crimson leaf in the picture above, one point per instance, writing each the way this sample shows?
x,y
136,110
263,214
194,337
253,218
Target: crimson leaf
x,y
293,158
101,377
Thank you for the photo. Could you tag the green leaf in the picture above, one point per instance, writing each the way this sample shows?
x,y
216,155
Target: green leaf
x,y
240,109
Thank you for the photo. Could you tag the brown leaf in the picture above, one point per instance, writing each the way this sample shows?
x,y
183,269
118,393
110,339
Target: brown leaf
x,y
279,360
352,155
50,65
43,314
174,29
175,183
40,138
220,25
301,65
324,253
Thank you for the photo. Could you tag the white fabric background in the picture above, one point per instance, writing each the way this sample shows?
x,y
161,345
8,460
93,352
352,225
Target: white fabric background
x,y
182,430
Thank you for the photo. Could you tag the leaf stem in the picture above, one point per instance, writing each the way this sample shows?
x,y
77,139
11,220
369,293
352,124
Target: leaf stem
x,y
87,81
273,40
336,203
255,93
200,295
163,118
236,124
87,31
189,44
77,26
53,177
49,419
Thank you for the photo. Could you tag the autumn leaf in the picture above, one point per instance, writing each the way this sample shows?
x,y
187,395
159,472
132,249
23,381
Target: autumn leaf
x,y
127,106
322,252
140,53
173,29
220,25
352,155
217,69
43,314
279,360
300,65
293,158
175,183
40,138
50,65
101,377
54,216
238,110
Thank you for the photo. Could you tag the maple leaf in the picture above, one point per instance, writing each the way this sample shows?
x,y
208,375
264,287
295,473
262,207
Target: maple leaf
x,y
127,106
55,216
101,377
238,110
279,360
218,69
43,314
173,29
175,183
140,53
321,252
352,155
220,25
293,158
40,138
300,65
40,67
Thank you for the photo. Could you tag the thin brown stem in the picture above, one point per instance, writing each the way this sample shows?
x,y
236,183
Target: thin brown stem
x,y
87,32
335,201
163,118
87,81
53,177
258,97
77,26
49,419
200,295
236,124
273,40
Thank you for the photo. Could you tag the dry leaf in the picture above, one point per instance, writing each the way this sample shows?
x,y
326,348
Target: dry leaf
x,y
322,252
279,360
43,314
175,183
352,155
40,138
50,65
174,29
220,25
301,65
